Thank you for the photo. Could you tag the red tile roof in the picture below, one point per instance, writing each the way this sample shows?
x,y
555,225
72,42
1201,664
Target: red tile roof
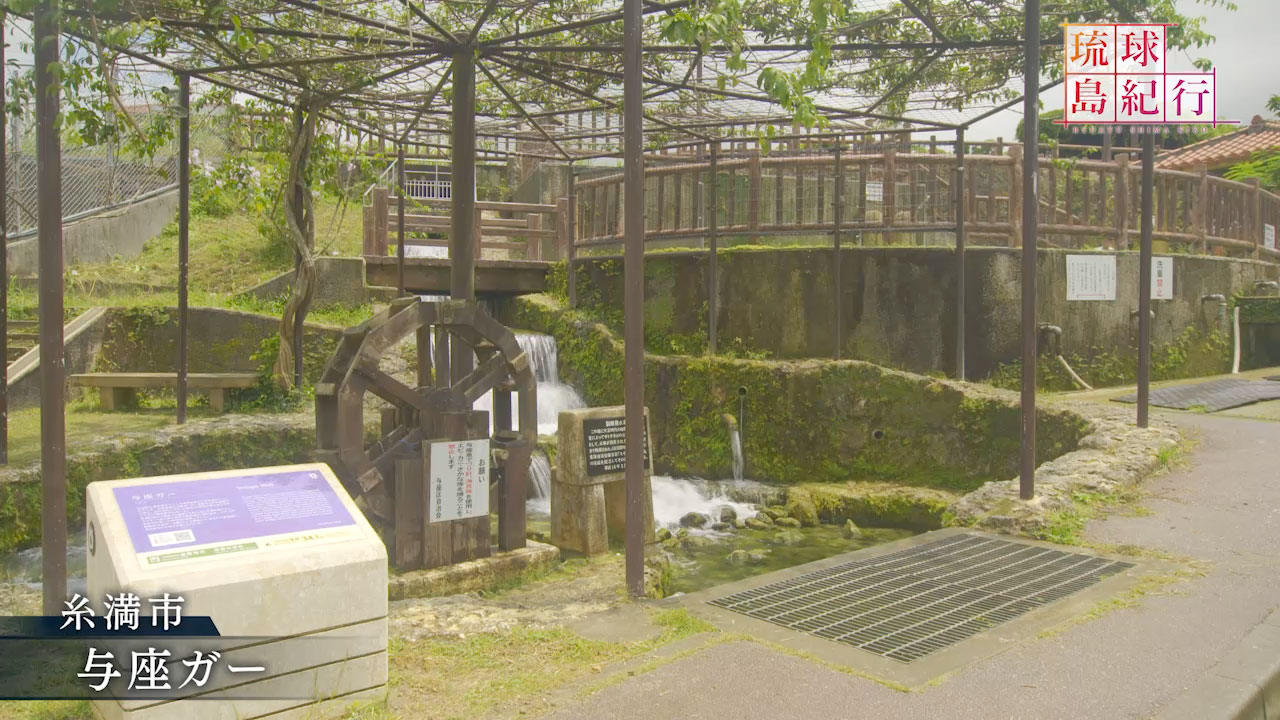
x,y
1224,150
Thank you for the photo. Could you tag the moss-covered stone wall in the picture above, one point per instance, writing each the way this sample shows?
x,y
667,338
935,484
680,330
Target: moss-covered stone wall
x,y
803,421
898,306
218,444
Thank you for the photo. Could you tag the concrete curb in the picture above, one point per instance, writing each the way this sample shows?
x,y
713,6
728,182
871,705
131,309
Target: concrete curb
x,y
1244,685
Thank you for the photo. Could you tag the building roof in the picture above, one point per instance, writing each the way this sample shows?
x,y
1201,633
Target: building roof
x,y
1217,152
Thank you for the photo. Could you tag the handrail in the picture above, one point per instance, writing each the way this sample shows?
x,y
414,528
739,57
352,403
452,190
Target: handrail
x,y
901,197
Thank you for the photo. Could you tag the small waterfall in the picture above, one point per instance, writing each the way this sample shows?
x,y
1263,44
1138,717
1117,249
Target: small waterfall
x,y
543,355
539,475
735,441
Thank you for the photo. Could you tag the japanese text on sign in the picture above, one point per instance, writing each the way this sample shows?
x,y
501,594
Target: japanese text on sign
x,y
1162,278
604,440
1116,74
1091,277
459,480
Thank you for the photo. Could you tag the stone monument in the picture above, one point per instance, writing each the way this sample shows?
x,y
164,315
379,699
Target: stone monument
x,y
280,558
588,494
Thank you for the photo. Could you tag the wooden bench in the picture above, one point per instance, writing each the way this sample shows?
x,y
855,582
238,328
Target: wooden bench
x,y
120,390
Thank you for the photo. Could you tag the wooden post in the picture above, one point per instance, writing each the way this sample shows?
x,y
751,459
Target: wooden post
x,y
1200,214
562,229
1255,216
381,220
1122,201
1015,195
753,195
477,233
533,243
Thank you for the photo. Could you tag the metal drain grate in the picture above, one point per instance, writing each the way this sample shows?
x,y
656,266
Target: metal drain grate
x,y
1213,396
908,604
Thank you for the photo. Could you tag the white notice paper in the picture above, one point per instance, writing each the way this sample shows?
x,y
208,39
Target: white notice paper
x,y
459,480
1269,236
875,192
1091,277
1162,278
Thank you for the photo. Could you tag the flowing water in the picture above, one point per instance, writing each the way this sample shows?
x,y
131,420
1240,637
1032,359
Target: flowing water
x,y
735,442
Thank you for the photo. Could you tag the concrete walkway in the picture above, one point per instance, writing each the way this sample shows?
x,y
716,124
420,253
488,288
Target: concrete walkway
x,y
1223,508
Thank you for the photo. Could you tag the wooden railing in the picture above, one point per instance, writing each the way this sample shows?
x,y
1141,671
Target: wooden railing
x,y
520,227
891,197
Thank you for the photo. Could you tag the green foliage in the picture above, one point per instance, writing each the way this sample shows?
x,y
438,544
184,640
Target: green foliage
x,y
266,394
1262,166
1192,354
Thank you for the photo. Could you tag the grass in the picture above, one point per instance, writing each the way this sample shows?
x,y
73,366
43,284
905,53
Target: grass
x,y
227,256
501,673
46,710
85,426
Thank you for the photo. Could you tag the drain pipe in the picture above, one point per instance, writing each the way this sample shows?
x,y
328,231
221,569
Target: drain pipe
x,y
742,410
1056,333
1235,362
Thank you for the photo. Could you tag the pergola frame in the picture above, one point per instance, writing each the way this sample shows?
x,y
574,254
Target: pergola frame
x,y
397,56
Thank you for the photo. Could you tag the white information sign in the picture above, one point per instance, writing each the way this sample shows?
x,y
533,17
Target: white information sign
x,y
459,480
1269,236
1091,277
875,192
1162,278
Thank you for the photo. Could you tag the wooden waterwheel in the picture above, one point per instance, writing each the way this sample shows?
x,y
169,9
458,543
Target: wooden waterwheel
x,y
387,475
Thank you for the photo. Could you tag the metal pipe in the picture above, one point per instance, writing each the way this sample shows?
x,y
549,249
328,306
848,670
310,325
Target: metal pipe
x,y
958,188
713,260
4,261
633,283
1030,142
53,430
836,236
1267,283
1235,360
462,241
400,220
184,233
572,250
1144,279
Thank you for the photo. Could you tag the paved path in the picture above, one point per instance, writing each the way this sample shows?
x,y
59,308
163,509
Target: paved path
x,y
1224,508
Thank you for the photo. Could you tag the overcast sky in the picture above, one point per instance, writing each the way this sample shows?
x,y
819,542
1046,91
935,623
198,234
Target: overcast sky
x,y
1244,55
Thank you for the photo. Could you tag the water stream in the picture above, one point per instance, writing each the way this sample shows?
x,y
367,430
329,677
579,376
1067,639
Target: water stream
x,y
735,442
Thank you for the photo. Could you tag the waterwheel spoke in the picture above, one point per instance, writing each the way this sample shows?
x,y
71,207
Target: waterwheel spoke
x,y
392,390
483,378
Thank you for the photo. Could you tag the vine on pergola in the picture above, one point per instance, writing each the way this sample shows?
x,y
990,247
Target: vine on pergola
x,y
380,68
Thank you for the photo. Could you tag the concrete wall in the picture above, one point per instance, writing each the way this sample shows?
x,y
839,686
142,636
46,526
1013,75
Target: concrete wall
x,y
82,340
339,281
119,232
145,340
898,303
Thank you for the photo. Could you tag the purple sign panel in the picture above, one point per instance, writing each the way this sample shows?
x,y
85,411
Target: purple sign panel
x,y
211,510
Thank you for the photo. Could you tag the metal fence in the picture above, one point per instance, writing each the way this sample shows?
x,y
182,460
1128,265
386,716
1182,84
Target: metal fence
x,y
101,177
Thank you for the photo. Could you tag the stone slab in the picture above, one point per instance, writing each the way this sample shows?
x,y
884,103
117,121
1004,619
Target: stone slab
x,y
473,575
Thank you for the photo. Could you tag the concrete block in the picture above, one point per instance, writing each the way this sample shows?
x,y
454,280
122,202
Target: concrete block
x,y
588,493
280,558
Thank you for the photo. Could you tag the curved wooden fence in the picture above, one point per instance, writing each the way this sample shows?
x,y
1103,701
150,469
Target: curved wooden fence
x,y
894,197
